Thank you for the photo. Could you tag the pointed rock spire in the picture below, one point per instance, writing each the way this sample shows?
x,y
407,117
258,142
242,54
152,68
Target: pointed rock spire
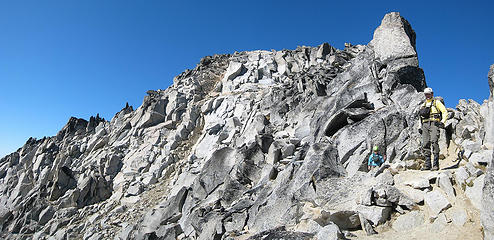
x,y
394,38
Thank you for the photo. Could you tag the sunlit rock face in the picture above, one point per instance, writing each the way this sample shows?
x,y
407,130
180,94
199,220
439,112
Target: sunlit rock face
x,y
255,144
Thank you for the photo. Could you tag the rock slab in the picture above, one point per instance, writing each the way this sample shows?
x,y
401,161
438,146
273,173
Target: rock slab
x,y
408,221
437,202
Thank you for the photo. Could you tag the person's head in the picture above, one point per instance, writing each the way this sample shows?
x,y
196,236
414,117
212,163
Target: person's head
x,y
428,93
375,149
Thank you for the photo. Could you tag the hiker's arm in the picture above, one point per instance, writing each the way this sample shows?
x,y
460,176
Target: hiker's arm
x,y
444,112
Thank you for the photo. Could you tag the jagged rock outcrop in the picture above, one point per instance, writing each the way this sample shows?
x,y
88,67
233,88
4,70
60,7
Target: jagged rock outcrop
x,y
259,144
487,214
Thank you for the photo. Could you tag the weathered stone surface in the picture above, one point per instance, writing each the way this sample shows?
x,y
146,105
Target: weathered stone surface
x,y
419,183
375,214
233,70
281,233
287,150
396,167
461,176
345,219
324,50
444,182
46,215
236,222
309,226
366,226
394,38
274,153
408,221
433,176
474,193
487,213
64,181
472,170
134,189
330,231
241,144
366,197
385,178
385,196
439,223
489,125
416,195
481,158
93,189
113,165
436,201
459,216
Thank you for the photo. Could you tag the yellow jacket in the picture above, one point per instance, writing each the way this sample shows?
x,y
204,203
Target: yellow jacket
x,y
437,107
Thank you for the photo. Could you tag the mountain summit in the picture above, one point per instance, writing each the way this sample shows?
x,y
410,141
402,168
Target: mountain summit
x,y
261,145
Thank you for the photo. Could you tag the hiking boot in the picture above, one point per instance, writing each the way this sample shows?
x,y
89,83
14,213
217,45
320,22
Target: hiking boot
x,y
436,163
425,168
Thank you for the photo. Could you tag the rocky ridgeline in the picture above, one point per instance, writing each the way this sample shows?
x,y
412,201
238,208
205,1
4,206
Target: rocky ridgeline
x,y
258,145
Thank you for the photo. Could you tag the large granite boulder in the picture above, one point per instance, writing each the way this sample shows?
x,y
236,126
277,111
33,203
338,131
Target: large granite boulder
x,y
394,38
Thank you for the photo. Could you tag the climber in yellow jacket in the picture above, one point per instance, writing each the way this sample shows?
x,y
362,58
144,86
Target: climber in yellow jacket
x,y
433,116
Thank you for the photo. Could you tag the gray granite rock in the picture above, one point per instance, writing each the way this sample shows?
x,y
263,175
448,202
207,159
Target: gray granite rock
x,y
416,195
439,223
474,193
461,176
46,215
385,178
366,197
419,183
134,189
436,201
393,38
282,233
375,214
487,201
481,158
241,143
408,221
345,219
444,182
309,226
459,216
330,232
366,226
274,153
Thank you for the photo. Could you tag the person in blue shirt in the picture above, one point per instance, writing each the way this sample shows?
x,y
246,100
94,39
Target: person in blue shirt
x,y
375,159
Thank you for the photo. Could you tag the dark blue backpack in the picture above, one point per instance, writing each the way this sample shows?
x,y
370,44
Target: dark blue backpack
x,y
376,159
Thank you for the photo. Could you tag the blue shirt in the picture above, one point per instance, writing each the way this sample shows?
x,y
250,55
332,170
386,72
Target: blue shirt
x,y
378,162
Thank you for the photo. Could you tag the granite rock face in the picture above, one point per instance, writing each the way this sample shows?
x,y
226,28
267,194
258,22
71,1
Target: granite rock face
x,y
487,201
264,143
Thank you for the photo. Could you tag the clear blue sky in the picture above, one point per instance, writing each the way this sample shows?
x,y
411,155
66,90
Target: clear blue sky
x,y
78,58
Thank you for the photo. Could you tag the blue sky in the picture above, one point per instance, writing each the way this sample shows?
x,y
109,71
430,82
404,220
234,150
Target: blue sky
x,y
78,58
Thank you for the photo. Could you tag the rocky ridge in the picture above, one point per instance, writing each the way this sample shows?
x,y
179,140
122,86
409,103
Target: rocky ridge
x,y
259,145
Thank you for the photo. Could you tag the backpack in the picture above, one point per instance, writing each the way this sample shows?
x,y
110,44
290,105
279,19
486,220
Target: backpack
x,y
375,159
425,111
